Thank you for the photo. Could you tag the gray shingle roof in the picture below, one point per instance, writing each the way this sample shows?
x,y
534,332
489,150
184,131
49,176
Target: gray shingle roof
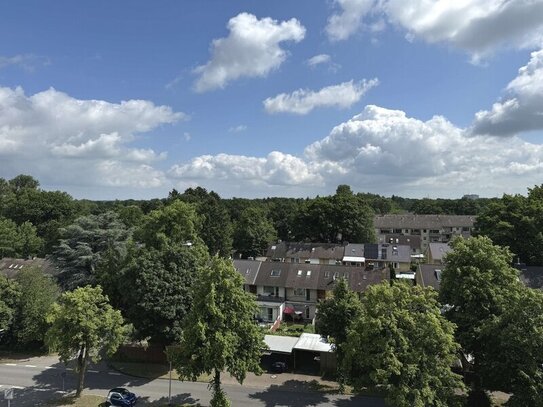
x,y
439,250
9,266
248,269
428,275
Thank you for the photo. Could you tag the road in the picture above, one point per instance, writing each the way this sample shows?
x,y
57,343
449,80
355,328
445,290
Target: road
x,y
39,379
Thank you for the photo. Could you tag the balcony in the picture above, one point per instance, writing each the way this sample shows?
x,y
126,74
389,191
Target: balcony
x,y
270,298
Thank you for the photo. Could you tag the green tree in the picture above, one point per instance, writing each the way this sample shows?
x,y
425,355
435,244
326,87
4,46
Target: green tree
x,y
8,238
83,324
335,315
402,343
220,333
9,298
478,285
253,232
38,293
512,358
28,243
82,245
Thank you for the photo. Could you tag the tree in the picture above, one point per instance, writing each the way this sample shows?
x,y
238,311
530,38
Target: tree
x,y
253,232
335,316
402,343
82,245
8,238
83,324
9,297
478,285
512,359
28,242
38,292
219,333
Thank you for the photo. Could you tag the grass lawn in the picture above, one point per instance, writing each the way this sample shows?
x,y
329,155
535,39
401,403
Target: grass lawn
x,y
11,356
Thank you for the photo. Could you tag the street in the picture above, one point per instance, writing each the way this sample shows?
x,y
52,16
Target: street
x,y
39,379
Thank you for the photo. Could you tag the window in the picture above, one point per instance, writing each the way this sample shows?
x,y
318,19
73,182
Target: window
x,y
247,271
308,274
275,273
434,231
326,274
336,275
307,313
300,273
308,295
299,292
465,229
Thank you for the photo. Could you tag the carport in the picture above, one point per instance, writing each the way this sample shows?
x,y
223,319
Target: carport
x,y
279,350
313,352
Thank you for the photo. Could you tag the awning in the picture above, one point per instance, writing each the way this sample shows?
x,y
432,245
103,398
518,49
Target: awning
x,y
289,310
354,259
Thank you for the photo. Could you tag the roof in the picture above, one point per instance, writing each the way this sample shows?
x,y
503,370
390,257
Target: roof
x,y
303,276
394,252
305,250
439,250
279,277
354,250
362,279
248,269
280,344
532,276
429,275
410,240
9,266
313,343
411,221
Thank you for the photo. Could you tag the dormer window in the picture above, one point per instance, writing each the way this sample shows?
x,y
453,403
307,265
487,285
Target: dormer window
x,y
300,272
275,273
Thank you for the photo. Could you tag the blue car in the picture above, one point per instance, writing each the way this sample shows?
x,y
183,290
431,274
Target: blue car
x,y
119,396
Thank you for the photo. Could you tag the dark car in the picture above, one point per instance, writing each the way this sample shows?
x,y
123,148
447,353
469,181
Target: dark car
x,y
120,396
279,367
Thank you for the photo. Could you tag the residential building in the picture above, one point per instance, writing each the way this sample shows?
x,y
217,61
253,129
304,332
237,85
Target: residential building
x,y
312,253
9,266
430,228
435,253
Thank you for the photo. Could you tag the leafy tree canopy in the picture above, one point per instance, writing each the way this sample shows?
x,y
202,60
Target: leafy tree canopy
x,y
402,343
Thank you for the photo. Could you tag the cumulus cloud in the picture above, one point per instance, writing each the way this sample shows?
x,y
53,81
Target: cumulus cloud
x,y
252,49
382,151
522,108
61,139
478,26
303,101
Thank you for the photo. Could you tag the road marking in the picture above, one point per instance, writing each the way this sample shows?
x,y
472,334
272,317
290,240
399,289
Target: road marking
x,y
10,364
114,374
50,367
93,371
13,387
30,366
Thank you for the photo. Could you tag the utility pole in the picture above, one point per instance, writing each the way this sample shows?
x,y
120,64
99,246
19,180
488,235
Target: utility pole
x,y
170,386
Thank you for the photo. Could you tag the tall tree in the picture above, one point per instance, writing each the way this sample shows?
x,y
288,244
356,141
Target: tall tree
x,y
28,242
402,343
478,285
38,293
335,316
253,232
8,238
84,324
220,333
82,245
9,298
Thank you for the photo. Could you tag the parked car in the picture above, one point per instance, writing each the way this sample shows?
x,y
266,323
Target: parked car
x,y
279,367
120,396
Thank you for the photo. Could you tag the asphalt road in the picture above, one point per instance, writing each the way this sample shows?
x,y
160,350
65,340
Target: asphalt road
x,y
39,380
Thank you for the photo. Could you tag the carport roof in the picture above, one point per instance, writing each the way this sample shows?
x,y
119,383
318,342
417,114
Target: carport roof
x,y
280,344
313,343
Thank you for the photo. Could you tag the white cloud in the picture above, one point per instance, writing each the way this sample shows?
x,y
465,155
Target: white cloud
x,y
252,49
522,109
237,129
28,62
318,59
341,26
382,151
63,140
302,101
478,26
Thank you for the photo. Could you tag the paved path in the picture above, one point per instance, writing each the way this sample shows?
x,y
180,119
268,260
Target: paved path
x,y
37,380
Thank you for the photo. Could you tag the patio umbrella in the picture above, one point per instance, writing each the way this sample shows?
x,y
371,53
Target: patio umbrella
x,y
288,310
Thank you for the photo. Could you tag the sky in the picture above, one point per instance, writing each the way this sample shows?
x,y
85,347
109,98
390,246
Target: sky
x,y
130,99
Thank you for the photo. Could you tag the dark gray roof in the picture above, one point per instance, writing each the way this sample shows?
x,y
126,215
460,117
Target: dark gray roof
x,y
265,277
361,279
303,276
429,275
354,250
409,240
9,266
410,221
248,269
305,250
394,252
439,250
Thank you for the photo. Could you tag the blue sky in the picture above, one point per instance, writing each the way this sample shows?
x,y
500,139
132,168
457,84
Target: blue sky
x,y
129,99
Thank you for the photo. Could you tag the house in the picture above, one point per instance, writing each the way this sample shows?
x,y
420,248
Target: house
x,y
293,290
429,275
435,253
9,266
380,255
412,241
430,228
